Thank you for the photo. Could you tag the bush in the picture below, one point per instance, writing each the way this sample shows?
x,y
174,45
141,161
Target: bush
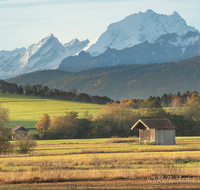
x,y
25,144
5,145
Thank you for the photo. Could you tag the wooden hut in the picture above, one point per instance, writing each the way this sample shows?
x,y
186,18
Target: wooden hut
x,y
18,132
157,131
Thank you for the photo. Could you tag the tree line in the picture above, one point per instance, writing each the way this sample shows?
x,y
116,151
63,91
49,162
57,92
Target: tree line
x,y
40,90
116,119
166,100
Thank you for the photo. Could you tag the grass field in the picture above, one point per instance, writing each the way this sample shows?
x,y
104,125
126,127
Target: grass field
x,y
115,163
27,110
107,163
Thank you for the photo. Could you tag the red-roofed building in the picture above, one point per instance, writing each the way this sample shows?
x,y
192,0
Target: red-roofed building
x,y
158,131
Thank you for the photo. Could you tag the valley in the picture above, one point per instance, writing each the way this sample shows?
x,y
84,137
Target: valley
x,y
81,103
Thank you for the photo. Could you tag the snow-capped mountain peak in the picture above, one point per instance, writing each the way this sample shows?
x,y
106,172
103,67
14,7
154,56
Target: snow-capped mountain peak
x,y
137,28
45,44
144,29
73,41
46,54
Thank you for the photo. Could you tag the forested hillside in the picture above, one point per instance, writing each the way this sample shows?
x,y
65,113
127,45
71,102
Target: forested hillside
x,y
39,77
129,81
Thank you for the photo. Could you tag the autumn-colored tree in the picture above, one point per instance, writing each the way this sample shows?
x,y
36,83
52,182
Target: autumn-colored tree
x,y
64,127
192,107
43,125
5,145
133,103
114,119
176,101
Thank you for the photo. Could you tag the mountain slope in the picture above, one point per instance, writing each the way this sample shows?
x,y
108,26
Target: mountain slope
x,y
168,47
40,77
46,54
137,28
130,81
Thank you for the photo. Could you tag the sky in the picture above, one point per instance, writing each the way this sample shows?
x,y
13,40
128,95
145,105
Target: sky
x,y
26,22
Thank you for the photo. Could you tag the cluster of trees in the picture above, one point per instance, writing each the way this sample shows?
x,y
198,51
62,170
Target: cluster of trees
x,y
166,100
116,119
64,127
11,88
44,91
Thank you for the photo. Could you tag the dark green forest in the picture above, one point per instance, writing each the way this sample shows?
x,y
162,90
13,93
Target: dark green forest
x,y
128,81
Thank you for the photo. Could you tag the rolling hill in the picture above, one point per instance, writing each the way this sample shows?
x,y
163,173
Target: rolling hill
x,y
27,110
129,81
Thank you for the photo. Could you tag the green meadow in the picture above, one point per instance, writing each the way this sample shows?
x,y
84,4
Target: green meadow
x,y
27,110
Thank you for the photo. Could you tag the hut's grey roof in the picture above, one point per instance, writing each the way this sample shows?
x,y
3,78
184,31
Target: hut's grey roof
x,y
153,124
16,128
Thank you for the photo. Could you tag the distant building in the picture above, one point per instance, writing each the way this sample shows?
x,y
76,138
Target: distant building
x,y
19,132
158,131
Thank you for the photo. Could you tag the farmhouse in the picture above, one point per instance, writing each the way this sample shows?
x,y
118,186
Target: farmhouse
x,y
158,131
18,132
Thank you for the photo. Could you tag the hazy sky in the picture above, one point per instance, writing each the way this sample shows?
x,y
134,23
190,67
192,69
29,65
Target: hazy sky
x,y
25,22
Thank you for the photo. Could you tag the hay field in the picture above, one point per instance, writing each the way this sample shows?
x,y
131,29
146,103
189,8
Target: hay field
x,y
27,110
115,163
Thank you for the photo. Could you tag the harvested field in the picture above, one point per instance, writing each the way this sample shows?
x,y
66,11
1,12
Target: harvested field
x,y
116,163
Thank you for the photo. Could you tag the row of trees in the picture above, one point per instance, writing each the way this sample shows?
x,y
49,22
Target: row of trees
x,y
166,100
11,88
40,90
116,119
44,91
63,127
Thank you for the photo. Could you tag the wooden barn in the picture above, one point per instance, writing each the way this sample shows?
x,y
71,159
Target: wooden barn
x,y
18,132
157,131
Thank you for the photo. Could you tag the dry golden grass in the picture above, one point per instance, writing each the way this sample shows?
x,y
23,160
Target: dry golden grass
x,y
110,160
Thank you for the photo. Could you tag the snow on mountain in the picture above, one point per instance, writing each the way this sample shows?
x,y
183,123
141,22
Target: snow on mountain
x,y
6,54
75,44
136,29
167,48
46,54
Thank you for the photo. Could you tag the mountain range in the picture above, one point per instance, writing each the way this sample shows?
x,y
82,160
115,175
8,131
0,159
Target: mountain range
x,y
137,28
168,47
140,38
46,54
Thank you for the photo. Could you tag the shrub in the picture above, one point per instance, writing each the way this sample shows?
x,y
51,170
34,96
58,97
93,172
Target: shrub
x,y
25,144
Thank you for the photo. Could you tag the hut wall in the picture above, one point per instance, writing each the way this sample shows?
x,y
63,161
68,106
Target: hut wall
x,y
165,137
19,134
147,135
